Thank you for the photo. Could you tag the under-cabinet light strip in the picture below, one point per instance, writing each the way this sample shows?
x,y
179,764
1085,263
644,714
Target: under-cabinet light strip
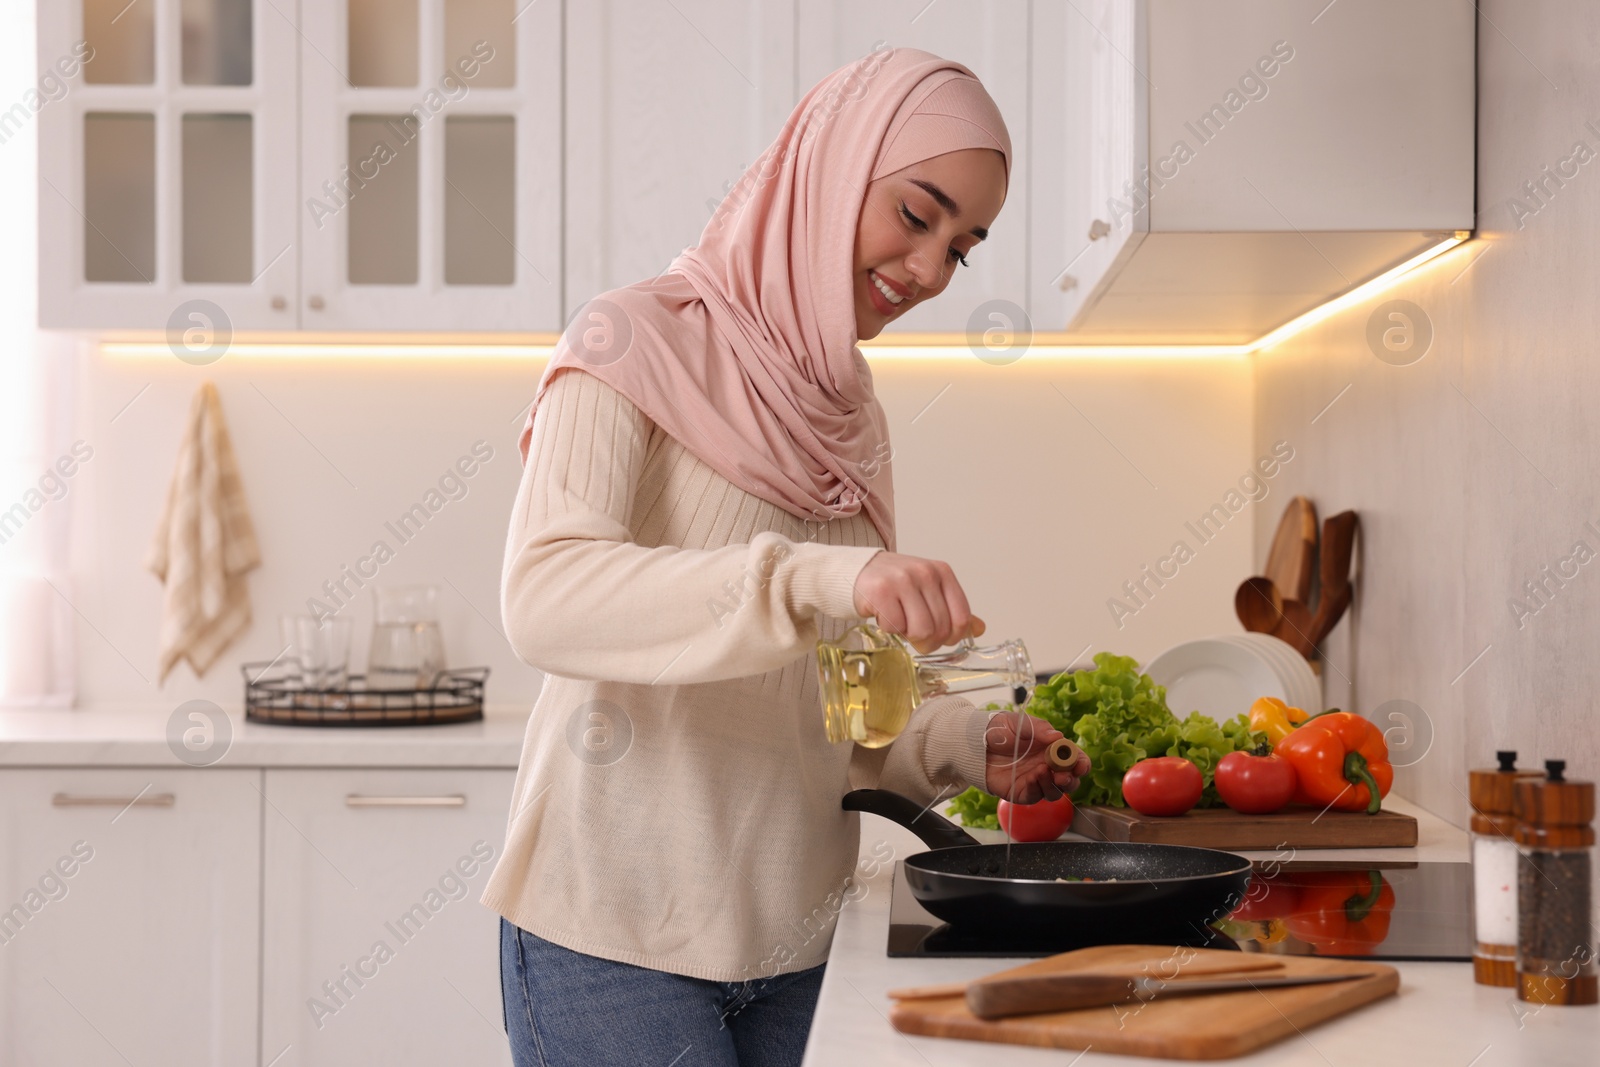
x,y
321,351
954,349
403,350
1361,292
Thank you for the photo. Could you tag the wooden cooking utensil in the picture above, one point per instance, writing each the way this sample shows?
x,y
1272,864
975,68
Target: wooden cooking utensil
x,y
1296,627
1330,609
1208,968
1258,605
1338,551
1292,557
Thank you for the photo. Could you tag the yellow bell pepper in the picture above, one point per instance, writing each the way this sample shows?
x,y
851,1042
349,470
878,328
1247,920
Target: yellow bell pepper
x,y
1273,717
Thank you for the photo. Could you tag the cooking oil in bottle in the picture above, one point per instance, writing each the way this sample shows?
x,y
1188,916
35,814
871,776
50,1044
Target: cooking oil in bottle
x,y
867,696
872,681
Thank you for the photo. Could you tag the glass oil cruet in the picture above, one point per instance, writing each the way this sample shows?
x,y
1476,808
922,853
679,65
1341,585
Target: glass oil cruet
x,y
872,680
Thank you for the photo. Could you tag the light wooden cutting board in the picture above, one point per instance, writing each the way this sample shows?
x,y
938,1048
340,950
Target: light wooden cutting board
x,y
1206,1026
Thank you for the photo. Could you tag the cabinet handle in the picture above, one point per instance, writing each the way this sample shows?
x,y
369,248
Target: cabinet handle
x,y
1098,229
279,303
356,800
142,800
315,303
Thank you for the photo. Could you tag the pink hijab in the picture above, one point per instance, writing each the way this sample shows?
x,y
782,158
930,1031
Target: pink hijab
x,y
745,349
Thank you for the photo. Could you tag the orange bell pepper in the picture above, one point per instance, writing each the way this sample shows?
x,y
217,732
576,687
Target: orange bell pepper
x,y
1343,913
1342,762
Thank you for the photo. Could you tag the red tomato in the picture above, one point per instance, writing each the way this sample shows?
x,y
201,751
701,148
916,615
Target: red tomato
x,y
1163,785
1255,785
1043,821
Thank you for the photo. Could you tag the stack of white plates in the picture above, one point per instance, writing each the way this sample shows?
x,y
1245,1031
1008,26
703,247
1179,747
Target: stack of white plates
x,y
1223,676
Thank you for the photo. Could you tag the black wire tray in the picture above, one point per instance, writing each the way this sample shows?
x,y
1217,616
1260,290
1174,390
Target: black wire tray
x,y
455,696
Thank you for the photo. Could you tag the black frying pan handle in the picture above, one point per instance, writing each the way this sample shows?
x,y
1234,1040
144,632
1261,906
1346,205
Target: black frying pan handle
x,y
935,830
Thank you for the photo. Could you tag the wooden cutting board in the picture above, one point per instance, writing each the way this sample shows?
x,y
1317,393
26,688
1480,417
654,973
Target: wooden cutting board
x,y
1228,829
1205,1026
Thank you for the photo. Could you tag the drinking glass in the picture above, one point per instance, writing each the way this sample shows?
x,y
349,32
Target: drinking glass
x,y
318,650
407,647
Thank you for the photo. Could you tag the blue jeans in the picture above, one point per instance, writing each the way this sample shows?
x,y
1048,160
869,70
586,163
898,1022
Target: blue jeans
x,y
566,1009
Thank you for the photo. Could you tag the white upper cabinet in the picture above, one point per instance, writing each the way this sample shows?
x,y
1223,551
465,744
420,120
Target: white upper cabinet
x,y
380,165
1183,172
1090,104
990,40
167,166
430,173
667,104
1208,172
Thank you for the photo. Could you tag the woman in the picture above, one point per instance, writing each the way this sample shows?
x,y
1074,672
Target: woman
x,y
702,498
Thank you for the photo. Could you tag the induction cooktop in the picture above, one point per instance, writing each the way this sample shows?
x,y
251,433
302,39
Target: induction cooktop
x,y
1385,910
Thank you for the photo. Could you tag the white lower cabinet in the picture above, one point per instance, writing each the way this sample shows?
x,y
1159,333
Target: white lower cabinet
x,y
129,920
375,948
218,917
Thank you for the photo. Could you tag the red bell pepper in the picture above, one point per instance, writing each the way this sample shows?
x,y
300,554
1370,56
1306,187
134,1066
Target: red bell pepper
x,y
1343,913
1341,760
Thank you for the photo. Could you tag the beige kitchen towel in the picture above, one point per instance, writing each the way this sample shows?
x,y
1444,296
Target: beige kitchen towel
x,y
204,545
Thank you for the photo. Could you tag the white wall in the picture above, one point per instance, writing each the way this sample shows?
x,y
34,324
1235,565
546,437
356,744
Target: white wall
x,y
1474,468
328,452
1049,485
1043,510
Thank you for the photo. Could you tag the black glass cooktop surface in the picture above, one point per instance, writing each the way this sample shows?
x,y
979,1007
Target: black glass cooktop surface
x,y
1385,910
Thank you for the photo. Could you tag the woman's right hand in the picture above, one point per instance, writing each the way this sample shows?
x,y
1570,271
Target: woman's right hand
x,y
917,598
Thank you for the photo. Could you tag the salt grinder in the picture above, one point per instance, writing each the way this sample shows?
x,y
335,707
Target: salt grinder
x,y
1555,880
1492,791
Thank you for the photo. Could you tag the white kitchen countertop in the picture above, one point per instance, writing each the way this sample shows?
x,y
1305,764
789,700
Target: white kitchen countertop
x,y
63,737
1439,1017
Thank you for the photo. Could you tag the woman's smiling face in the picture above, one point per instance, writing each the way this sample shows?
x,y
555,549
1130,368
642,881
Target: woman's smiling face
x,y
916,227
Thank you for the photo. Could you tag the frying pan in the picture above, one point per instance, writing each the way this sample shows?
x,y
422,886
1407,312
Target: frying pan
x,y
967,884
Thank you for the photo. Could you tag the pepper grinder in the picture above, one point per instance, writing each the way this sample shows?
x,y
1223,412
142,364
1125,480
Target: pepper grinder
x,y
1492,791
1555,879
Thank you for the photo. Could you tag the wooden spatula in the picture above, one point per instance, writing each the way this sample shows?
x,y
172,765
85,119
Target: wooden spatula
x,y
1292,557
1338,551
1196,967
1296,627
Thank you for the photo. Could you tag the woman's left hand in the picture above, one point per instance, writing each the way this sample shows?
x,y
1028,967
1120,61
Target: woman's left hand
x,y
1018,760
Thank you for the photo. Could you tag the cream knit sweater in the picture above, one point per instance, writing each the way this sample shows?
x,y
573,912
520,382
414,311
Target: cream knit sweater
x,y
677,803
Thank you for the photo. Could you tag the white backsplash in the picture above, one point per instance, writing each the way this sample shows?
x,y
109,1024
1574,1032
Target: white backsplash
x,y
1047,485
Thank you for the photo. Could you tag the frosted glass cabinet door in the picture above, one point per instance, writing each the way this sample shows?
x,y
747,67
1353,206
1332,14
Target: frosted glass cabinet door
x,y
430,169
377,950
130,925
166,165
991,41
